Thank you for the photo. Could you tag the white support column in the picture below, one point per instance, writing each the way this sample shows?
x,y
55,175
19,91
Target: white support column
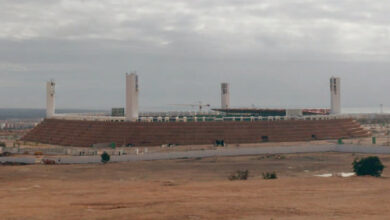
x,y
50,99
132,91
225,96
335,96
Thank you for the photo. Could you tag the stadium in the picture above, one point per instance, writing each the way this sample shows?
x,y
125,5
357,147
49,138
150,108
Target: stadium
x,y
224,125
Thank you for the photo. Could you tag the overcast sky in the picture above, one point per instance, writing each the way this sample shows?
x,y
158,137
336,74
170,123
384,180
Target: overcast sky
x,y
274,53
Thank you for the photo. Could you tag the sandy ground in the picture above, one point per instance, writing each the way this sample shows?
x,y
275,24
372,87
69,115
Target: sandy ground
x,y
196,189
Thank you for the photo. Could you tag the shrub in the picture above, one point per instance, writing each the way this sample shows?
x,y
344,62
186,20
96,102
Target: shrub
x,y
105,157
239,175
269,175
5,154
219,143
48,161
368,166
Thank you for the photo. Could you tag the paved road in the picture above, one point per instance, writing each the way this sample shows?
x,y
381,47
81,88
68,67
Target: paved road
x,y
213,153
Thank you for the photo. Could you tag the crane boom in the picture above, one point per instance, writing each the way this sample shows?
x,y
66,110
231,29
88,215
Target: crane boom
x,y
199,105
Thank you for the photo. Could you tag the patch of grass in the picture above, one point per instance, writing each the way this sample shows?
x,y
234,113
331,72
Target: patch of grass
x,y
182,158
239,175
269,175
272,156
12,163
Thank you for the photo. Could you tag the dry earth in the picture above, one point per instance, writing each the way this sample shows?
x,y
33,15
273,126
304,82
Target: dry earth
x,y
196,189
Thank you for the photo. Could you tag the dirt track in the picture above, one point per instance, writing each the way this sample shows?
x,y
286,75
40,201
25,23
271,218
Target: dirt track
x,y
195,189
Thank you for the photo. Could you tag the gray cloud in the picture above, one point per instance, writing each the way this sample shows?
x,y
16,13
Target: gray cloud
x,y
274,53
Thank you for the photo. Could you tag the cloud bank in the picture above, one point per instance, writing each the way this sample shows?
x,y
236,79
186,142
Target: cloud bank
x,y
273,53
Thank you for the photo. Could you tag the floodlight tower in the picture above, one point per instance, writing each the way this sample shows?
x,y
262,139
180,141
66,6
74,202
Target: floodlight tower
x,y
335,96
225,96
131,111
50,99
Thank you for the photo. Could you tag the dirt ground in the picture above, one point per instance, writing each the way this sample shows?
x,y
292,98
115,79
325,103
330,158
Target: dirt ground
x,y
196,189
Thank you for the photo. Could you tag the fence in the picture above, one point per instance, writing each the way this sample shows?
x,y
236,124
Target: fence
x,y
182,118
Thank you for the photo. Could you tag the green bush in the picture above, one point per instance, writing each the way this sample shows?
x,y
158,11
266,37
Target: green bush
x,y
371,166
269,175
105,157
239,175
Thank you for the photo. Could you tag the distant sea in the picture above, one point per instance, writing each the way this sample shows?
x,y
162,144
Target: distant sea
x,y
24,113
371,110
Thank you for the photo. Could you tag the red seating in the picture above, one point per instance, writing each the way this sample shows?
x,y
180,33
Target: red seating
x,y
87,133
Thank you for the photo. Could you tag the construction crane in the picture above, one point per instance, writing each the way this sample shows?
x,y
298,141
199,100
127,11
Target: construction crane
x,y
198,105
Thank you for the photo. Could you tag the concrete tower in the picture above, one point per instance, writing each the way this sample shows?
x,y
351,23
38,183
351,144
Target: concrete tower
x,y
131,111
225,96
335,101
50,92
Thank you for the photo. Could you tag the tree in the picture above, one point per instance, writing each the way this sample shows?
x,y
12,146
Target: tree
x,y
105,157
368,166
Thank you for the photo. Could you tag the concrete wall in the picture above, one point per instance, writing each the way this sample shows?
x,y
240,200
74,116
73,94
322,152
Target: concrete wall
x,y
335,96
131,111
27,160
225,96
213,153
50,101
